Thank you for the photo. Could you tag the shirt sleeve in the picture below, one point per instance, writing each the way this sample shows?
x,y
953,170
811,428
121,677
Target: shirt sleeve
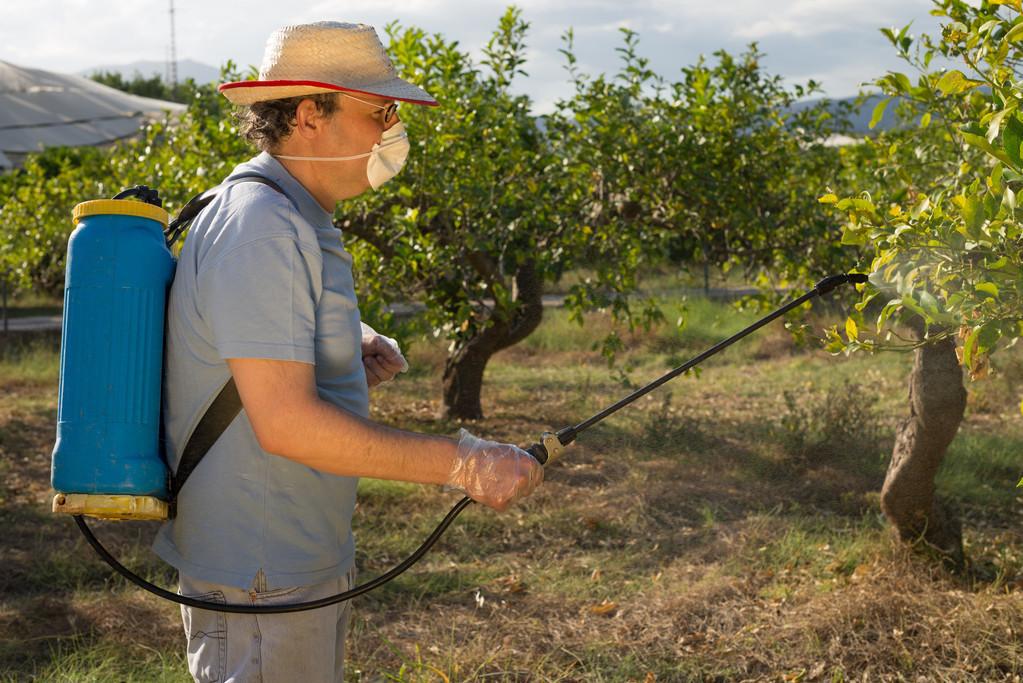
x,y
259,300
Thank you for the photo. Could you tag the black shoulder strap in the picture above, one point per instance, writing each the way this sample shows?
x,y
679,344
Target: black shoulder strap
x,y
214,422
200,201
228,403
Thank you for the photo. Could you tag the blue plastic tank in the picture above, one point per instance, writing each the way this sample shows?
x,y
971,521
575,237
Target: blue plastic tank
x,y
111,357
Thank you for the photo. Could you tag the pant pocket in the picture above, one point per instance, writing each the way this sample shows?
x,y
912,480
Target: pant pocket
x,y
275,593
206,633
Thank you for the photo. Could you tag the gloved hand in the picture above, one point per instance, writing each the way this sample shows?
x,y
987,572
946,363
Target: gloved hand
x,y
381,357
495,474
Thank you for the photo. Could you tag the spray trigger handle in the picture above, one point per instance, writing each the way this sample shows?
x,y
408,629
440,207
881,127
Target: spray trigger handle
x,y
551,445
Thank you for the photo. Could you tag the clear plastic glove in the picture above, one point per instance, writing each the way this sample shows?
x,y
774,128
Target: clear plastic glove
x,y
495,474
381,357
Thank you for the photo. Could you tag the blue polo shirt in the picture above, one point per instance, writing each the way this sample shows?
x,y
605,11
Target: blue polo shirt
x,y
260,275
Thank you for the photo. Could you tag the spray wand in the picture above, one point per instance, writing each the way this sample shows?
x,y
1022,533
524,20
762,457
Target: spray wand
x,y
549,448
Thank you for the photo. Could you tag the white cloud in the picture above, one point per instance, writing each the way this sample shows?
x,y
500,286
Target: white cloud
x,y
612,27
837,39
804,18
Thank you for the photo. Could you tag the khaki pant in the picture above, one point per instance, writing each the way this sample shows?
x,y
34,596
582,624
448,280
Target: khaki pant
x,y
237,648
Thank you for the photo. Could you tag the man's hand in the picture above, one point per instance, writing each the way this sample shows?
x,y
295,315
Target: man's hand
x,y
495,474
381,357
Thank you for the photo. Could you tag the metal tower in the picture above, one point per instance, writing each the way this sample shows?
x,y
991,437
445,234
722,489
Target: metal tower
x,y
172,67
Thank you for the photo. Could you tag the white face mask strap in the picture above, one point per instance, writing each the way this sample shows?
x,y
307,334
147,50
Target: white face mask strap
x,y
295,158
376,148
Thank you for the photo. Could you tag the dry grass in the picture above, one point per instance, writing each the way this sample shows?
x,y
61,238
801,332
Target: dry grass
x,y
719,535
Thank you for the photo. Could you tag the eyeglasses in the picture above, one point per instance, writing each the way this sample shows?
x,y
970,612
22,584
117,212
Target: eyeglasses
x,y
389,109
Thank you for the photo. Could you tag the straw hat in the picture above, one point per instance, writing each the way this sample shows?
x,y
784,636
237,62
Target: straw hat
x,y
327,56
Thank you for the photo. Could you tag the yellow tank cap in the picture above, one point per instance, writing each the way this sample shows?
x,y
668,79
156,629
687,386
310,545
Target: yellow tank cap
x,y
119,207
104,506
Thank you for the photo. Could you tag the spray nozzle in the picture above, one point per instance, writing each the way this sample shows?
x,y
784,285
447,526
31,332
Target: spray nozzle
x,y
831,282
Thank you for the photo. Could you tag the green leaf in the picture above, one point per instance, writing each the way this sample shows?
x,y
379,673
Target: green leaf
x,y
853,236
995,125
973,215
1015,34
930,304
954,82
980,142
851,329
999,264
912,305
1011,139
988,336
903,81
879,112
989,288
969,345
987,26
1015,4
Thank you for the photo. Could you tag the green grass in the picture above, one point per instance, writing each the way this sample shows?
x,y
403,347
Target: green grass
x,y
688,323
80,659
28,304
30,358
982,468
725,527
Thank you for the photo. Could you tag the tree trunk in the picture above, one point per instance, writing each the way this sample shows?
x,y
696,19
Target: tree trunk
x,y
937,399
463,371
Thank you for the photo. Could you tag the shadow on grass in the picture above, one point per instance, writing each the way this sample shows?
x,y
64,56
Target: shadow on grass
x,y
50,579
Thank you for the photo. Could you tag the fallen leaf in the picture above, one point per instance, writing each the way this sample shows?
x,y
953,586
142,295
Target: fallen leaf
x,y
511,583
861,572
605,608
440,673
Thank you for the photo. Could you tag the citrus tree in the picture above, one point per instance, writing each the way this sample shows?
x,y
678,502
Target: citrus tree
x,y
938,215
495,203
491,208
738,169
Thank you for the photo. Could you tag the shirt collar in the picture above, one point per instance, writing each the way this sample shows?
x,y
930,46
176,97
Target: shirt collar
x,y
268,167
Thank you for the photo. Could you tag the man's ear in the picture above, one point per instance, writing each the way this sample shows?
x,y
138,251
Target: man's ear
x,y
309,119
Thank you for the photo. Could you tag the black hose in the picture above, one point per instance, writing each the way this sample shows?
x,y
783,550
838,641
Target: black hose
x,y
272,609
537,450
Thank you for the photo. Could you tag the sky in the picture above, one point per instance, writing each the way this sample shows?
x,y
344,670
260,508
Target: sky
x,y
835,42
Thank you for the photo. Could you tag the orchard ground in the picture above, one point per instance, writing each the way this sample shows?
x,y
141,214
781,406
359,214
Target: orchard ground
x,y
725,528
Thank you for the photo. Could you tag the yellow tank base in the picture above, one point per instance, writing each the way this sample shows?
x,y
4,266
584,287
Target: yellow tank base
x,y
103,506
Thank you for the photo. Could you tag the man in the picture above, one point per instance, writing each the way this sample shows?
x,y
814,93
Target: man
x,y
264,294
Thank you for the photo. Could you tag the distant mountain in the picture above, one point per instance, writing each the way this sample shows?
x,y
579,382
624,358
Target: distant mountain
x,y
860,116
201,73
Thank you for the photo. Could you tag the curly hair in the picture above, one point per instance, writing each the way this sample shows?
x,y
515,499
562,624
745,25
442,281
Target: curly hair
x,y
267,124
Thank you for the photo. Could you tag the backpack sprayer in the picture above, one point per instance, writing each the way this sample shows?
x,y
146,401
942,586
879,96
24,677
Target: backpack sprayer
x,y
107,461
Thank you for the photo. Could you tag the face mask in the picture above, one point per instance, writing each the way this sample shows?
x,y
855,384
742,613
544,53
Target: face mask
x,y
385,159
